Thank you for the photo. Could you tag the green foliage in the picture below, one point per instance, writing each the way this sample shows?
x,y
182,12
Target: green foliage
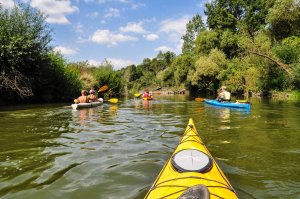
x,y
234,15
288,50
222,15
206,74
24,39
193,28
284,18
206,41
255,12
55,81
166,77
182,65
242,74
105,75
229,43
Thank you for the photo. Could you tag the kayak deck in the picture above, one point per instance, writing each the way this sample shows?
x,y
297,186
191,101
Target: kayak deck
x,y
171,182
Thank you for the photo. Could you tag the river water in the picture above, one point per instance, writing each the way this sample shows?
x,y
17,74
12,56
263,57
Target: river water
x,y
117,150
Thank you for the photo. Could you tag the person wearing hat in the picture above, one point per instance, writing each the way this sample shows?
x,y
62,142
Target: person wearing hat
x,y
83,98
224,95
92,97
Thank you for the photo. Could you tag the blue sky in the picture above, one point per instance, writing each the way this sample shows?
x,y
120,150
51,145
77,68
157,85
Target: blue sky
x,y
122,31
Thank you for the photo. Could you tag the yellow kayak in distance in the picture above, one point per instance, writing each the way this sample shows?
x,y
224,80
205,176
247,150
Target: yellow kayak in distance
x,y
191,171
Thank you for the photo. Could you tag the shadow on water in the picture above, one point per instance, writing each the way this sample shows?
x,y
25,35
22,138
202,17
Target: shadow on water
x,y
117,150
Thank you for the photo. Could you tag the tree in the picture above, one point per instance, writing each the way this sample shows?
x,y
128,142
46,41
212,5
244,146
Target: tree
x,y
181,65
24,39
284,18
229,43
206,74
206,41
193,28
235,15
224,14
261,45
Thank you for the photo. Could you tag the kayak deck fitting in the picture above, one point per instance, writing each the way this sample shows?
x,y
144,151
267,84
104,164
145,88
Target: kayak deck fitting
x,y
191,171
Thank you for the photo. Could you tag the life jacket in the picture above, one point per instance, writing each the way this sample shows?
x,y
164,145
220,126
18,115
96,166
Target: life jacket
x,y
146,95
227,96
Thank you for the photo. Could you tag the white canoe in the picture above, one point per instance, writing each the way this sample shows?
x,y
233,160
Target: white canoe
x,y
86,105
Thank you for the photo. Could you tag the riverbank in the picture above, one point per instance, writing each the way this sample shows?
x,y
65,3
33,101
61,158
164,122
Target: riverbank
x,y
283,95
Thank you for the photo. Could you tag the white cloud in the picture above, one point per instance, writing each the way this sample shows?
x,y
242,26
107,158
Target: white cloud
x,y
135,6
151,37
93,62
133,27
65,50
55,10
93,15
174,26
110,38
7,4
119,63
112,12
163,49
79,28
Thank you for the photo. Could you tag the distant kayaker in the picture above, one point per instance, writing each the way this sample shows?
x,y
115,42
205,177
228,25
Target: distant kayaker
x,y
224,95
147,94
92,97
83,98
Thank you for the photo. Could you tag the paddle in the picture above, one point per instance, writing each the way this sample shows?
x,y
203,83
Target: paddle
x,y
242,101
113,100
137,95
199,99
103,88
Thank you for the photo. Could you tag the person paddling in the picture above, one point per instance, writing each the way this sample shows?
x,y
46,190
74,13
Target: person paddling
x,y
224,95
92,97
147,94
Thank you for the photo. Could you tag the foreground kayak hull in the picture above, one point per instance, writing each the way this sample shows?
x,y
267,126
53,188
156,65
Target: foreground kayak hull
x,y
172,183
228,104
86,105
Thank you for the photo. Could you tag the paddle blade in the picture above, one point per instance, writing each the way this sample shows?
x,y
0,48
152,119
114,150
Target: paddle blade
x,y
103,88
113,100
137,95
199,99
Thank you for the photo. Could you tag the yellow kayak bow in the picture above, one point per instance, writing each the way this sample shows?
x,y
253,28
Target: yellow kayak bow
x,y
191,170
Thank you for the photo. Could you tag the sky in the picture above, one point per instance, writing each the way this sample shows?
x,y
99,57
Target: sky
x,y
122,31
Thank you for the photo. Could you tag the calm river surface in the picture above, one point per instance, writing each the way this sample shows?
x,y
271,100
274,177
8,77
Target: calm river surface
x,y
116,151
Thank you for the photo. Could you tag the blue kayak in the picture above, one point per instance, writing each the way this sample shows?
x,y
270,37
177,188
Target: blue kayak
x,y
228,104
